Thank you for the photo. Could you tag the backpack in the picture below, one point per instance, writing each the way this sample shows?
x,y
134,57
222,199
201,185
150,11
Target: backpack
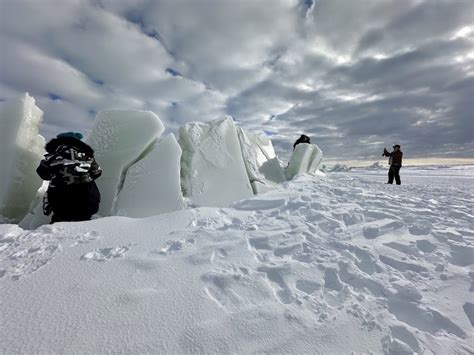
x,y
68,166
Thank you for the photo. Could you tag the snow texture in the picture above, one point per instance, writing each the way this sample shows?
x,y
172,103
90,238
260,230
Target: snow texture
x,y
334,264
263,168
213,172
305,159
120,139
152,185
21,150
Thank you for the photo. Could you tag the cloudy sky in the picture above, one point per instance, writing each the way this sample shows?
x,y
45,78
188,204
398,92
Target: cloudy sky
x,y
354,75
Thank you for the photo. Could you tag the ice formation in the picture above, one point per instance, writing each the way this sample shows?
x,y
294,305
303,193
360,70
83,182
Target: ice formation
x,y
152,185
120,139
21,149
263,168
305,159
35,216
213,164
213,171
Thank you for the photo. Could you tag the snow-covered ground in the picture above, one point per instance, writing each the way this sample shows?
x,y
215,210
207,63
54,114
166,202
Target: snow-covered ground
x,y
324,264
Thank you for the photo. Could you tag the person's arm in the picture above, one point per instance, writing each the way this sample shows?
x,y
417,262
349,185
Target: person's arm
x,y
95,170
298,141
386,153
44,170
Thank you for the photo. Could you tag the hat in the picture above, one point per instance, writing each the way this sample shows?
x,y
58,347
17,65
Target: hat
x,y
396,146
76,135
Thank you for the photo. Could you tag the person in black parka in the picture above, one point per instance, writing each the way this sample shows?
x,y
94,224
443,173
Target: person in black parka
x,y
302,139
70,167
395,162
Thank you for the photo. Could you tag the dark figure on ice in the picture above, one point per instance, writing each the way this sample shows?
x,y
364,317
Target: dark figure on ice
x,y
302,139
71,168
395,162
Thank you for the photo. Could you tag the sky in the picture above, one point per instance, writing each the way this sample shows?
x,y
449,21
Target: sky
x,y
355,76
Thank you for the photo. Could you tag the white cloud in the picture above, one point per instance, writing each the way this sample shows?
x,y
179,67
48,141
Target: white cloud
x,y
349,73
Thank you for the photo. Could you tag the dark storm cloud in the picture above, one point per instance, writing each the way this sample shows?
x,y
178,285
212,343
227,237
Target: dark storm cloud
x,y
356,76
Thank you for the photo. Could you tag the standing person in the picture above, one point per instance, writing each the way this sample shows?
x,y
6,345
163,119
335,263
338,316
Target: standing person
x,y
395,162
70,167
302,139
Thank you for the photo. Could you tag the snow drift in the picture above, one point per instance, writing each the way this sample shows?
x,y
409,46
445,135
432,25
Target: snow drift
x,y
334,264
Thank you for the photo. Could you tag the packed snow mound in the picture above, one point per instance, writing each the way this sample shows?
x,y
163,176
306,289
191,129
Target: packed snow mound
x,y
339,168
213,171
120,138
152,185
21,149
376,166
322,265
263,168
305,159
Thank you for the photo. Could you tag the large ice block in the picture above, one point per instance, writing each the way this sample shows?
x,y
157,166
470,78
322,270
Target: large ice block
x,y
120,138
213,172
305,159
21,150
35,216
152,185
263,168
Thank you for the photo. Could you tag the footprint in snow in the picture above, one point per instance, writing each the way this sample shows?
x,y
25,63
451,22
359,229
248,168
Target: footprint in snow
x,y
173,246
461,254
307,286
23,253
402,334
422,318
275,279
375,229
85,238
234,290
469,310
105,254
420,228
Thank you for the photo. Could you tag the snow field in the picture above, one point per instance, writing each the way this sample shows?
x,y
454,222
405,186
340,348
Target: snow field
x,y
334,264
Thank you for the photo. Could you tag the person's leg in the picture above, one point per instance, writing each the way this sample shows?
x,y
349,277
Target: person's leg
x,y
390,175
397,175
81,217
76,217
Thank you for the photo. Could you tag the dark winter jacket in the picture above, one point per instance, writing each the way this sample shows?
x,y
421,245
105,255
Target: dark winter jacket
x,y
70,166
69,161
302,139
395,157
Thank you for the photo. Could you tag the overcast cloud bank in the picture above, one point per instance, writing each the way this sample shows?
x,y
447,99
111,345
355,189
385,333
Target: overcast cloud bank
x,y
355,76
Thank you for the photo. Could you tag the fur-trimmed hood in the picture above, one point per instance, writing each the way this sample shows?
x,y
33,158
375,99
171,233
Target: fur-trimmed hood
x,y
54,143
